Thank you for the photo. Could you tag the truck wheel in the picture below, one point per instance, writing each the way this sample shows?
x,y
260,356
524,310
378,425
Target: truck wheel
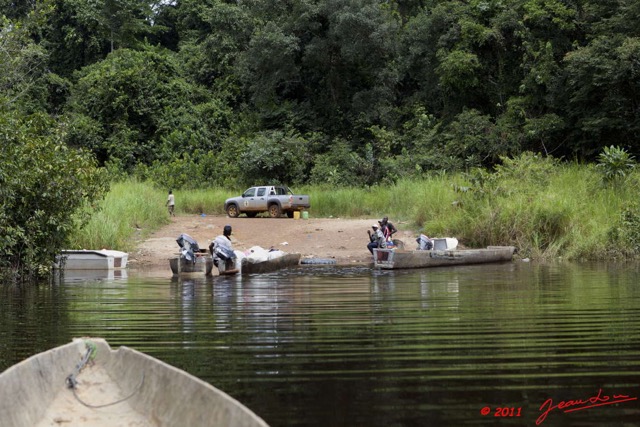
x,y
232,211
274,211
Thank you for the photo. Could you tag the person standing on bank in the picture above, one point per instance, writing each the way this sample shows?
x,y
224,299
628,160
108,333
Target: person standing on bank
x,y
377,239
171,203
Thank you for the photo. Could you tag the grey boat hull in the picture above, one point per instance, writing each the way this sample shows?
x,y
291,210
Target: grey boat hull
x,y
285,261
392,259
203,265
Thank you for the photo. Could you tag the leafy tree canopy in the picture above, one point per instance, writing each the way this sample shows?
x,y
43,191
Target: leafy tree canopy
x,y
371,89
135,107
44,188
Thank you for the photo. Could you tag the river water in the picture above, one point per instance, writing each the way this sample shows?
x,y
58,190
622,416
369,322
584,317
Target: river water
x,y
327,346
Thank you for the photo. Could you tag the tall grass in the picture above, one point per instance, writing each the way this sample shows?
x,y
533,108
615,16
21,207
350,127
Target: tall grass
x,y
129,210
416,202
545,209
569,214
210,201
345,202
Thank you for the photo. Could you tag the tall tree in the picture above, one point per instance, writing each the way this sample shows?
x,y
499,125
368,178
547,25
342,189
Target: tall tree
x,y
332,61
136,107
16,9
81,32
44,187
22,61
603,95
212,34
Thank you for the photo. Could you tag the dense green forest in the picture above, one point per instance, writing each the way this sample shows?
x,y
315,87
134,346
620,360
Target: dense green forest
x,y
191,93
200,93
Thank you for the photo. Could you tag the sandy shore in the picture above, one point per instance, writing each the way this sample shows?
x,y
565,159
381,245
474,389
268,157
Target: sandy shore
x,y
344,240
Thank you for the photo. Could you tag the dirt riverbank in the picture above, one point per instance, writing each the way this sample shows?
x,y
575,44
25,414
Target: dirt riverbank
x,y
344,240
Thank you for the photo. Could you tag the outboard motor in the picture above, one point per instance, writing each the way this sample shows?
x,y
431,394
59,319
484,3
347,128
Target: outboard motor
x,y
424,243
221,253
188,247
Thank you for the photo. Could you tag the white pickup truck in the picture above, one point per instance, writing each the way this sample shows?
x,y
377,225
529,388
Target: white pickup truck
x,y
275,199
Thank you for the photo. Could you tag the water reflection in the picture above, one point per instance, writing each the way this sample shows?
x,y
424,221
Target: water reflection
x,y
329,346
91,275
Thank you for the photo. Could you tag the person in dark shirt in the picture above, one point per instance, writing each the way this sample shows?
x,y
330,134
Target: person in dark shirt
x,y
388,228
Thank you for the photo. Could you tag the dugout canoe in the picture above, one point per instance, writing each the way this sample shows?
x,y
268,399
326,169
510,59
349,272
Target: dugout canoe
x,y
202,265
86,383
270,265
393,259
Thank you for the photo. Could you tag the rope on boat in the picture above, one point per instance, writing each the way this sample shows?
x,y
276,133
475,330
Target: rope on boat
x,y
88,405
72,382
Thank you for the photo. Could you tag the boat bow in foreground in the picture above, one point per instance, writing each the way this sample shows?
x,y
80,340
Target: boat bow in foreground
x,y
86,383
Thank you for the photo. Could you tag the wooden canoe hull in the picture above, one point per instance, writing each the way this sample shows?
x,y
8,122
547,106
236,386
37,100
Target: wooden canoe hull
x,y
34,392
392,259
268,266
203,265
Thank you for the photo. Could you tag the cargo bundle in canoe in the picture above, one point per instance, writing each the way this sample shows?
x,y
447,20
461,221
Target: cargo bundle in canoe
x,y
86,383
393,259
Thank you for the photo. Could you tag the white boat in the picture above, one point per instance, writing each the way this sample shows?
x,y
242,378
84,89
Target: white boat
x,y
91,259
86,383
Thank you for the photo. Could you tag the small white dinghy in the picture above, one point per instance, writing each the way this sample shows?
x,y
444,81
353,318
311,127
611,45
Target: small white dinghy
x,y
86,383
91,259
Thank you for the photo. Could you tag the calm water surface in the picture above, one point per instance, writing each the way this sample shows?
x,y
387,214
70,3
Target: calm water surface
x,y
325,346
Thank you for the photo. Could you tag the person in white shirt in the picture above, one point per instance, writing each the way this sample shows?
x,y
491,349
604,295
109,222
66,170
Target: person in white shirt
x,y
377,239
171,203
221,250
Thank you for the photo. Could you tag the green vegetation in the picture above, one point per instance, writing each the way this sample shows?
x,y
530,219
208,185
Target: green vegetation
x,y
615,163
368,96
545,208
210,202
129,210
42,182
194,94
